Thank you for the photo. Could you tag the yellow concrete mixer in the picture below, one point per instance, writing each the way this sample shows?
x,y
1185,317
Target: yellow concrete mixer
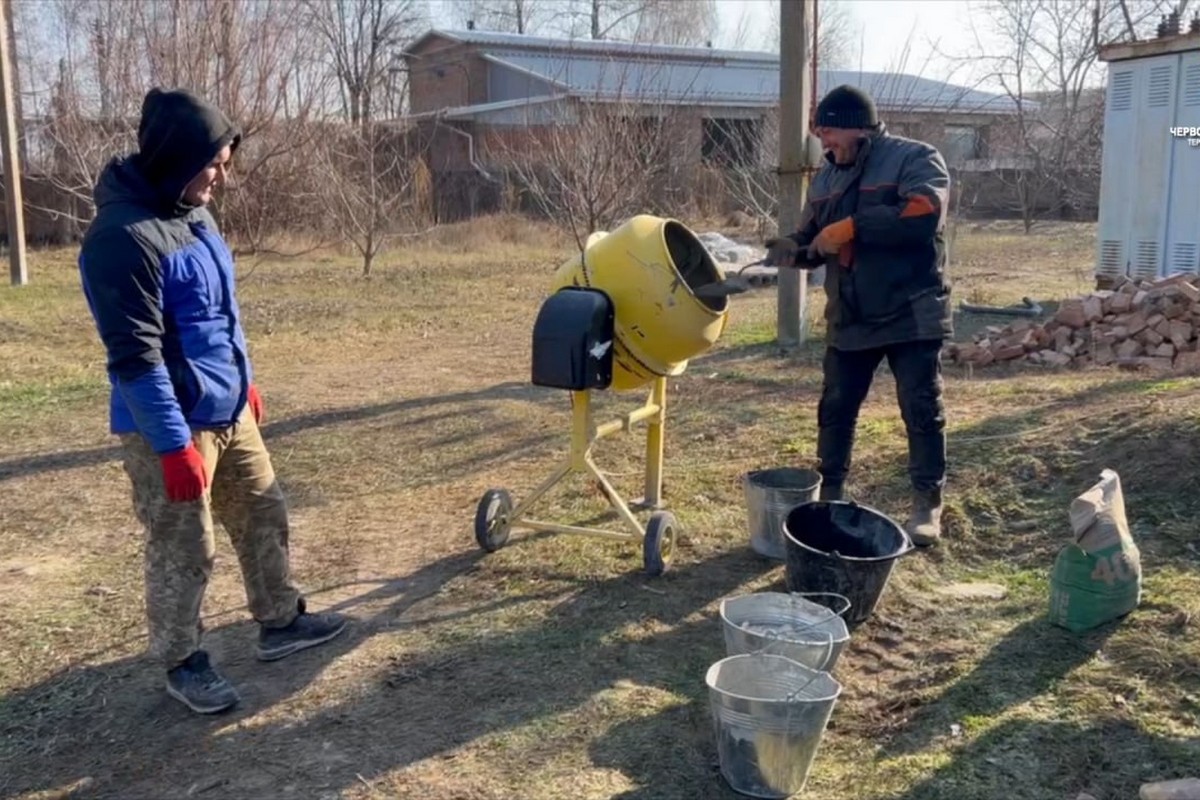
x,y
627,312
650,267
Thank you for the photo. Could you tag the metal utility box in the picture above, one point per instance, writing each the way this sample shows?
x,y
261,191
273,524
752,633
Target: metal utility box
x,y
1149,225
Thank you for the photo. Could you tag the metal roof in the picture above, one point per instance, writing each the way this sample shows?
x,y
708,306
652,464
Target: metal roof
x,y
648,81
490,39
661,73
466,112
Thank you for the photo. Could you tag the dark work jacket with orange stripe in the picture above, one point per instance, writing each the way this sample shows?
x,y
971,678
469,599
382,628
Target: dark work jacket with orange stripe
x,y
889,284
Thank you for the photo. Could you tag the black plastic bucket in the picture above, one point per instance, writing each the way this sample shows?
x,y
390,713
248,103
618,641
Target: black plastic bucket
x,y
842,548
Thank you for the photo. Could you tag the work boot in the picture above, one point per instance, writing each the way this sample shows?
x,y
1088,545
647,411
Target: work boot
x,y
306,630
924,525
197,685
830,491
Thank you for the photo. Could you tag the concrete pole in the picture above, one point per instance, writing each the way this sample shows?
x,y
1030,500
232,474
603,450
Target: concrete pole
x,y
13,199
795,90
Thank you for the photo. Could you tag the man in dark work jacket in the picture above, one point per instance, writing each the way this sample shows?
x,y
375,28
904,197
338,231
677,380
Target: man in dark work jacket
x,y
875,218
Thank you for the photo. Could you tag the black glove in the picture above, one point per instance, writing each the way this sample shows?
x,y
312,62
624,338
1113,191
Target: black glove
x,y
784,252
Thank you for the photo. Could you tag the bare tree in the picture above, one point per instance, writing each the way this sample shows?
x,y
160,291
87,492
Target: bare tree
x,y
835,34
508,16
376,186
739,37
241,54
1137,15
691,22
1046,62
749,178
595,164
362,40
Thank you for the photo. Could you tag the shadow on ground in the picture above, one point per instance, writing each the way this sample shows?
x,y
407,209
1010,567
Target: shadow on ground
x,y
90,457
1026,760
111,727
1026,663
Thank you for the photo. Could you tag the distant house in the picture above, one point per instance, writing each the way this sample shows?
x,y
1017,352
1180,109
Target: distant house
x,y
471,89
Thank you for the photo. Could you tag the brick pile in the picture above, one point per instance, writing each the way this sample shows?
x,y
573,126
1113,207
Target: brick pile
x,y
1136,324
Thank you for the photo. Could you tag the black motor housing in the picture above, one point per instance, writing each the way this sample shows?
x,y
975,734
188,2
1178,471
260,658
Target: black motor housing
x,y
573,340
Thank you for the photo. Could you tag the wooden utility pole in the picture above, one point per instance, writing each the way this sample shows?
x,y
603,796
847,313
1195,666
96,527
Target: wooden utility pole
x,y
795,89
13,200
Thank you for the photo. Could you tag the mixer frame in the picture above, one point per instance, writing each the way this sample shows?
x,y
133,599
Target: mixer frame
x,y
496,516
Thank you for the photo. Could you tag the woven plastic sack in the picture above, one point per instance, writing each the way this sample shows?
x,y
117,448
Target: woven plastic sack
x,y
1098,576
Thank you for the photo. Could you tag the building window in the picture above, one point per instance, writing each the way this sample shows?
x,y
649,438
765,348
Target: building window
x,y
962,143
730,142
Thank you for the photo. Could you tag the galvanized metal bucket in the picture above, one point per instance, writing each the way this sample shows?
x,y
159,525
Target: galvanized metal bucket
x,y
770,495
812,633
769,715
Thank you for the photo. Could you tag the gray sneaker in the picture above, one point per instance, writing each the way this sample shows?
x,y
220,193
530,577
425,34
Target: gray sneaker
x,y
199,686
306,630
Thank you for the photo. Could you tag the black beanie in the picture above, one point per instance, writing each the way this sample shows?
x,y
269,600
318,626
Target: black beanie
x,y
846,107
179,134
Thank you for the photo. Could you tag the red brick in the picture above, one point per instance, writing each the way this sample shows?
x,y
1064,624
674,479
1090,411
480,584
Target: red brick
x,y
1180,332
1129,349
1121,302
1071,314
1187,362
1055,359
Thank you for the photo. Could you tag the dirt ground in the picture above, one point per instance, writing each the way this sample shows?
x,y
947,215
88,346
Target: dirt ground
x,y
555,668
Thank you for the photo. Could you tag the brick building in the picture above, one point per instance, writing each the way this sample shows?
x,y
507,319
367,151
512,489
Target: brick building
x,y
474,92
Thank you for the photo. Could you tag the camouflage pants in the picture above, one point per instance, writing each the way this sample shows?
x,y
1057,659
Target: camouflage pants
x,y
246,499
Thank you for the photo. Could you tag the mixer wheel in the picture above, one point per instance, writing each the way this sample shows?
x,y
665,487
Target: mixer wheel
x,y
659,542
491,519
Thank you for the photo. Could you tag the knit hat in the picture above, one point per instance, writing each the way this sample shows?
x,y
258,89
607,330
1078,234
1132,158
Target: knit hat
x,y
846,107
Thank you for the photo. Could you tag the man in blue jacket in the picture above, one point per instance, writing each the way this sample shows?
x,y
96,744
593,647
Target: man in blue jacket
x,y
159,281
875,218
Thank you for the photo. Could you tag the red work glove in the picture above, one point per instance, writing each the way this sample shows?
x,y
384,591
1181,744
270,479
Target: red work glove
x,y
184,475
256,404
834,236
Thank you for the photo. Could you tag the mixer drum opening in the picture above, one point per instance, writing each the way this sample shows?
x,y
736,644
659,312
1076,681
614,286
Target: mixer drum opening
x,y
693,262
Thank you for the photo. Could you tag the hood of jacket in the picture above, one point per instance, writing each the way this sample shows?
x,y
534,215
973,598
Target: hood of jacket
x,y
178,136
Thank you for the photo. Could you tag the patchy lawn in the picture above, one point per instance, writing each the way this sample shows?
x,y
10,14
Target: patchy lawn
x,y
553,668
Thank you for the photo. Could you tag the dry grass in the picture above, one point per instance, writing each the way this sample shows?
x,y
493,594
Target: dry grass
x,y
553,668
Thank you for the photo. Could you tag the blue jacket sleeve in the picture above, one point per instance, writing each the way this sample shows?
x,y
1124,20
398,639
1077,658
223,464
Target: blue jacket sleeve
x,y
123,282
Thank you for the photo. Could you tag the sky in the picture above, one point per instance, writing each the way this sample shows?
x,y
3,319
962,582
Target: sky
x,y
882,28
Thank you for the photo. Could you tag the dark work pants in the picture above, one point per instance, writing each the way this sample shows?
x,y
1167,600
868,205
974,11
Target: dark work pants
x,y
917,367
